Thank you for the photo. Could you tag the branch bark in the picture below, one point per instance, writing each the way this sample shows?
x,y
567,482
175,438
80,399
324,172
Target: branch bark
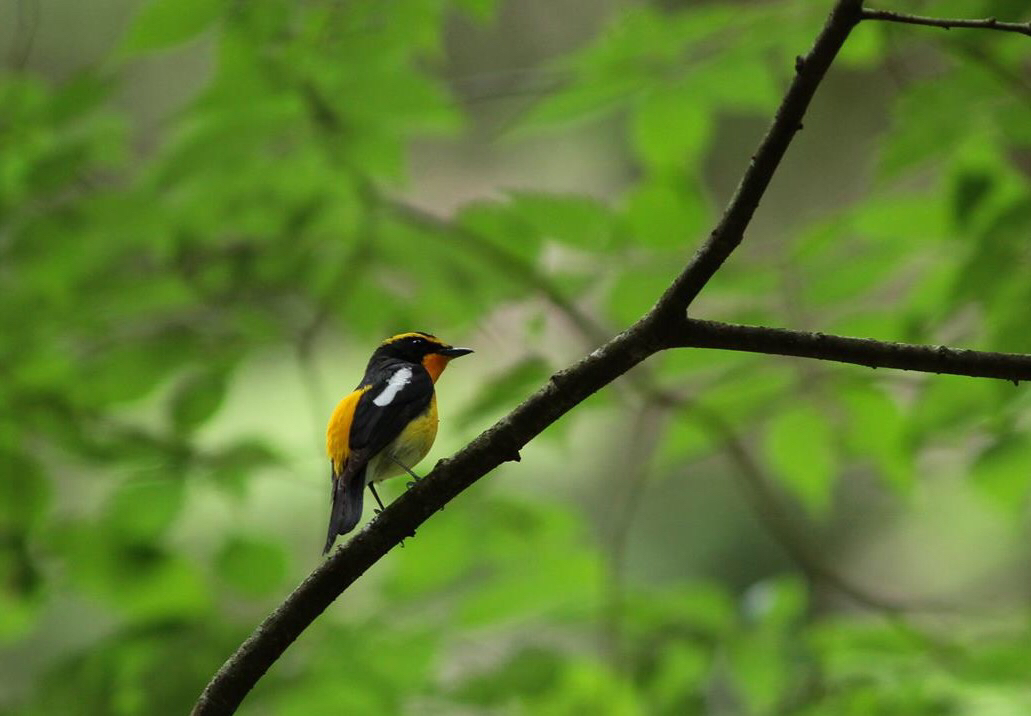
x,y
695,333
988,23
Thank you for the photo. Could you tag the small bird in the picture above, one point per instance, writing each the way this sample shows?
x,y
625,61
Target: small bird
x,y
386,425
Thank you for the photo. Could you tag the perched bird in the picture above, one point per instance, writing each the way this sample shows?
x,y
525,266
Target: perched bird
x,y
386,425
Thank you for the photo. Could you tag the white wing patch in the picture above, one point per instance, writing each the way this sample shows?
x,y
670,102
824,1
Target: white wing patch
x,y
397,381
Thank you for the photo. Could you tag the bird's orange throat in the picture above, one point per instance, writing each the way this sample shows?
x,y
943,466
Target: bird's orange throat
x,y
434,363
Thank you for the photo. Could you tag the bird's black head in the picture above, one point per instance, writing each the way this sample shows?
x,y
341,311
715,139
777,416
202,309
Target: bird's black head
x,y
417,347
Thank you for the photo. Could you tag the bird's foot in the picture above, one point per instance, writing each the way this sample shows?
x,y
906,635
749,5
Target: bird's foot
x,y
415,478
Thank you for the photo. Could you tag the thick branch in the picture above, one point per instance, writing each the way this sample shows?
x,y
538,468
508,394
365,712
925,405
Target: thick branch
x,y
988,23
695,333
809,71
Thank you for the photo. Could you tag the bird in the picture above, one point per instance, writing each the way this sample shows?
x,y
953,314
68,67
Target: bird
x,y
386,425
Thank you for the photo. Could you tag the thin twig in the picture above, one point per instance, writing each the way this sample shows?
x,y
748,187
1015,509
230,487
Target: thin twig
x,y
988,23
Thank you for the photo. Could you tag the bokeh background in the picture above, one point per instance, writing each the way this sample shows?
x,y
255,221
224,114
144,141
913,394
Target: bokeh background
x,y
211,211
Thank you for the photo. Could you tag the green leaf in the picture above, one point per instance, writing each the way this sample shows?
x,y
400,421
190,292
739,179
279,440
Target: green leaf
x,y
162,23
578,221
969,191
577,104
635,291
530,672
480,10
141,579
679,675
799,446
502,392
666,213
948,404
1003,472
761,672
497,223
233,467
684,440
738,79
18,615
143,509
877,431
777,604
670,130
910,219
254,567
24,492
926,118
197,398
760,656
864,49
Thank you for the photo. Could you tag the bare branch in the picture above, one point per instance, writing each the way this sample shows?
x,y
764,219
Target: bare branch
x,y
988,23
809,72
696,333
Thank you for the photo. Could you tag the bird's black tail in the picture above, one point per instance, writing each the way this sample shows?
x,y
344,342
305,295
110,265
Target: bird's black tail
x,y
348,492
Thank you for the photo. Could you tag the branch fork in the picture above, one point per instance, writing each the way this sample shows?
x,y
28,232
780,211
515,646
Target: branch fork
x,y
665,326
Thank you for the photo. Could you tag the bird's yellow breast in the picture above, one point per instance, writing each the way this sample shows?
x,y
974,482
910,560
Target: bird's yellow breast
x,y
409,447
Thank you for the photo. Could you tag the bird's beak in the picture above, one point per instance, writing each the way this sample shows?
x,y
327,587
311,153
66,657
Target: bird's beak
x,y
451,352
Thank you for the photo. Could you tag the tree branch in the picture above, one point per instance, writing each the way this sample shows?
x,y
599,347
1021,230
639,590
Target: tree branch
x,y
694,333
563,391
752,482
499,444
728,234
988,23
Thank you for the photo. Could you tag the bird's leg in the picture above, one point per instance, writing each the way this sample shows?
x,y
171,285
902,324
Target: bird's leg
x,y
415,478
378,501
372,487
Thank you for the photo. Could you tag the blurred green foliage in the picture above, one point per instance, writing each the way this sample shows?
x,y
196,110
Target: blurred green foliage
x,y
145,272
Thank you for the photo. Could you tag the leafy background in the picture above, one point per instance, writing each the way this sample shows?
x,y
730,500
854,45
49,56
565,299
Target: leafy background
x,y
210,211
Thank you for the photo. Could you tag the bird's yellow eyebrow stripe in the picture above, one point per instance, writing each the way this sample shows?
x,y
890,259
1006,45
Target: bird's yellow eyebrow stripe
x,y
411,334
338,432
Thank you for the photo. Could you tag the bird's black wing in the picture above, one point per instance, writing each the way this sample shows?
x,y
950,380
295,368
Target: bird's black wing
x,y
398,393
393,394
